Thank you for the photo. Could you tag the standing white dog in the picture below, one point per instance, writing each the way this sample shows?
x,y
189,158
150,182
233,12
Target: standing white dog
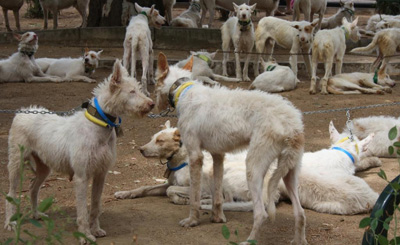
x,y
138,42
21,66
220,120
56,5
15,6
309,8
82,146
240,30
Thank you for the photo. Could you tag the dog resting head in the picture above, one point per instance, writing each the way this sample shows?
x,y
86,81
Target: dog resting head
x,y
28,42
91,58
154,17
384,78
163,144
122,94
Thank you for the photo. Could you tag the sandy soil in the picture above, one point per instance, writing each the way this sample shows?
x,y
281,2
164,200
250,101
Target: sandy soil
x,y
154,220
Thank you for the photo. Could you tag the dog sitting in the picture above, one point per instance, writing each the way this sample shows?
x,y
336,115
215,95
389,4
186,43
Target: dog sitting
x,y
220,120
358,83
72,69
350,195
189,18
138,42
240,30
21,66
82,146
275,78
203,62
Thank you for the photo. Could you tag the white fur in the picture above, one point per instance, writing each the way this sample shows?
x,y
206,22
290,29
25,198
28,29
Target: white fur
x,y
389,23
296,36
74,146
280,79
220,120
138,43
329,46
375,19
71,69
309,8
242,37
56,5
189,18
15,6
19,67
345,11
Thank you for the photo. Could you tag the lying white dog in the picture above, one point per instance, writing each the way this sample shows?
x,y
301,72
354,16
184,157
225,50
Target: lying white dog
x,y
72,69
327,182
21,66
275,78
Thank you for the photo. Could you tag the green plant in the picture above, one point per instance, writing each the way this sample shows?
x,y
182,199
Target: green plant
x,y
227,234
384,211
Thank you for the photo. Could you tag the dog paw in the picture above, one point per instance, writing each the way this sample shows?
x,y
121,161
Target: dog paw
x,y
324,92
89,239
246,79
302,242
38,215
92,81
189,222
9,226
388,90
99,232
121,194
313,91
218,219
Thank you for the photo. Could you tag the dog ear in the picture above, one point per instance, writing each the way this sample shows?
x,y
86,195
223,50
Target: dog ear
x,y
152,8
354,23
334,134
344,20
263,63
341,3
189,65
177,136
17,36
138,8
86,50
314,23
253,7
235,6
363,144
162,63
98,53
116,76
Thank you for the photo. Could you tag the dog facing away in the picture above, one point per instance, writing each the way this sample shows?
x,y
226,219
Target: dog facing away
x,y
15,6
203,62
275,78
350,195
189,18
138,43
358,83
78,69
82,146
330,46
240,30
296,36
21,66
207,119
346,10
387,42
56,5
309,8
380,126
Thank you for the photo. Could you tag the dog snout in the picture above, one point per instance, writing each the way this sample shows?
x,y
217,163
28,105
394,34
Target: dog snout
x,y
151,104
244,16
86,60
142,151
302,39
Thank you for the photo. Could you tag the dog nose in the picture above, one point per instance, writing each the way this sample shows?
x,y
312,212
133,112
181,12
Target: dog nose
x,y
86,60
151,104
302,39
243,16
141,151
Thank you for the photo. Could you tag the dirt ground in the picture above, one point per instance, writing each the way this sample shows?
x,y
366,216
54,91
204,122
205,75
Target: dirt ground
x,y
154,220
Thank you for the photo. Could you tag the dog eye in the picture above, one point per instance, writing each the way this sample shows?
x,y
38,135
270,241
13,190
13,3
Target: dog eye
x,y
159,141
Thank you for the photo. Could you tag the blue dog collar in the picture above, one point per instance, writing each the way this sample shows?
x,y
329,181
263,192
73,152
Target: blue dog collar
x,y
177,168
343,150
105,118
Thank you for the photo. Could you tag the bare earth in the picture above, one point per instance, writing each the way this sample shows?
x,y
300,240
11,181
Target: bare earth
x,y
154,220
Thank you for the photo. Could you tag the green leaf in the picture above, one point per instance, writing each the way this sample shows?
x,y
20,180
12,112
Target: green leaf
x,y
374,224
31,235
365,222
9,241
236,232
45,204
386,226
12,200
233,243
35,223
393,133
252,242
395,240
225,232
382,240
388,219
382,174
78,235
379,213
395,186
397,144
15,217
391,150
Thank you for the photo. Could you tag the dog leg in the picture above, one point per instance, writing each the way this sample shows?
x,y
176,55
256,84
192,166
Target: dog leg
x,y
127,53
151,68
81,7
368,162
196,164
313,85
328,71
78,78
45,17
42,171
218,167
293,57
179,194
16,17
211,11
157,190
246,67
5,14
45,79
97,190
55,18
339,63
226,41
237,64
133,59
307,62
145,68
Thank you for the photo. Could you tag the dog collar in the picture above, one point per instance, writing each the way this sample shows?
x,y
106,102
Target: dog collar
x,y
89,68
244,25
346,33
346,138
196,6
343,150
205,58
375,78
181,91
144,13
270,68
96,115
174,86
177,168
350,11
28,53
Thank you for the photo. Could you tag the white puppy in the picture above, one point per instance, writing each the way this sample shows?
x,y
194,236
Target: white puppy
x,y
72,69
275,78
21,66
138,42
240,30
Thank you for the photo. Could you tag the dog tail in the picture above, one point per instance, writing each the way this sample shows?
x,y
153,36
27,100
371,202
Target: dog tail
x,y
369,48
225,79
233,206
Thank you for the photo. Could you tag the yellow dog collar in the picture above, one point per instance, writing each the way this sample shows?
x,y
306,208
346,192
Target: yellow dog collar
x,y
346,138
95,120
180,90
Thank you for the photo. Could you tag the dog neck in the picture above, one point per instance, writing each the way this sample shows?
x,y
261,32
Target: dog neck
x,y
177,159
205,58
89,68
350,11
28,50
344,150
195,6
177,89
346,32
145,14
244,25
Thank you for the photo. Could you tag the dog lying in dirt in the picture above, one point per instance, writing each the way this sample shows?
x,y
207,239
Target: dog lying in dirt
x,y
275,78
189,18
82,146
21,66
72,69
327,182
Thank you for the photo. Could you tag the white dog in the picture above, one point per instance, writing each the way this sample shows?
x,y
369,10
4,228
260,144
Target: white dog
x,y
346,10
329,46
387,42
203,62
309,8
375,19
240,30
380,126
56,5
72,69
15,6
21,66
296,36
333,187
220,120
357,83
189,18
138,42
275,78
82,146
